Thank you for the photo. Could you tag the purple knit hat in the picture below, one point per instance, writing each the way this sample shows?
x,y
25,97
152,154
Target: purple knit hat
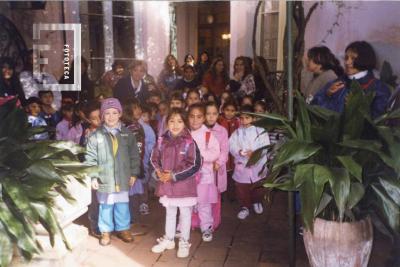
x,y
110,103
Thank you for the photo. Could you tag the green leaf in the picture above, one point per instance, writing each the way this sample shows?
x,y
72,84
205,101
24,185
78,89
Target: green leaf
x,y
43,169
352,166
392,188
303,124
294,151
302,173
6,251
256,156
340,184
325,200
388,208
356,194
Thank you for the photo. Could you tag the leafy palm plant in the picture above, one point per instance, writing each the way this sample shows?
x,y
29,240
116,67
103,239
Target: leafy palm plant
x,y
345,166
32,174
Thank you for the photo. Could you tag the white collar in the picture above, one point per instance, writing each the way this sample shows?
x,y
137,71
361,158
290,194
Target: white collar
x,y
137,90
358,75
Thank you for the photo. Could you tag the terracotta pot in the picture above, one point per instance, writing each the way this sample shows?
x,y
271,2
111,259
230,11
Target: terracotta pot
x,y
336,244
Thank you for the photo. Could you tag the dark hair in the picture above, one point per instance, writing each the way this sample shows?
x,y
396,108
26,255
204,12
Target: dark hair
x,y
68,107
177,111
366,57
176,96
32,100
321,55
187,56
136,63
199,106
127,110
7,61
90,107
152,106
246,108
167,67
230,102
262,103
208,57
211,104
193,90
154,93
44,92
80,106
118,63
213,71
146,109
247,65
186,66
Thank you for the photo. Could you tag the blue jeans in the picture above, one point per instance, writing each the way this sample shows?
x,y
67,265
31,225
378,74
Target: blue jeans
x,y
114,217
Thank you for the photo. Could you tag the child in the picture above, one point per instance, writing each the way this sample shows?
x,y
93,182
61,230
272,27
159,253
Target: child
x,y
162,109
65,124
154,97
150,140
33,109
260,106
243,142
176,161
113,148
78,118
220,164
192,97
48,113
247,100
230,122
210,151
176,101
92,113
132,112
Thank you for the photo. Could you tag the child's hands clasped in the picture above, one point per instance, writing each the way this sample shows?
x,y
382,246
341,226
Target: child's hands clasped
x,y
216,166
164,176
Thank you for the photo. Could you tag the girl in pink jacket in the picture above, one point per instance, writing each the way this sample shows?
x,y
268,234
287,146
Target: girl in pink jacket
x,y
207,191
242,143
220,164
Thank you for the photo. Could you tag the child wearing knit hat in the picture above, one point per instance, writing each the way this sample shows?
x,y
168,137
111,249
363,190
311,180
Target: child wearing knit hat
x,y
113,148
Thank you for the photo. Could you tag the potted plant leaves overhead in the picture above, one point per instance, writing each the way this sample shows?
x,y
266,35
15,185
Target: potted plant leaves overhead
x,y
32,175
346,168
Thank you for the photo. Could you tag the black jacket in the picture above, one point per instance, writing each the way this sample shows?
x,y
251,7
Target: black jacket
x,y
124,90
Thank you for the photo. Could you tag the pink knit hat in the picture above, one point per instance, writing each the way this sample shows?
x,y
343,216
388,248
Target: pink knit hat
x,y
110,103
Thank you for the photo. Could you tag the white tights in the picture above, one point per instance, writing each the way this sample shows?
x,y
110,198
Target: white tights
x,y
185,221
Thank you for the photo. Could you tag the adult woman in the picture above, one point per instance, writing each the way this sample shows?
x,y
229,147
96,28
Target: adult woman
x,y
9,82
360,60
242,82
203,64
324,66
170,75
132,86
216,79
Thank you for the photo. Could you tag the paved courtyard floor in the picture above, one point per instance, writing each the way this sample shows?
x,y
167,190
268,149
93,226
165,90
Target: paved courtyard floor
x,y
260,240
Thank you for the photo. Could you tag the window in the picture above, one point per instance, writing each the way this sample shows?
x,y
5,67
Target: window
x,y
103,49
270,23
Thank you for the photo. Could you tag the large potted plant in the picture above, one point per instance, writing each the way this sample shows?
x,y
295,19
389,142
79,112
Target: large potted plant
x,y
346,169
35,177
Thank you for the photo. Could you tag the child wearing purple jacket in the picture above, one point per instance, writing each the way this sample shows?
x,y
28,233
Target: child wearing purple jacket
x,y
176,161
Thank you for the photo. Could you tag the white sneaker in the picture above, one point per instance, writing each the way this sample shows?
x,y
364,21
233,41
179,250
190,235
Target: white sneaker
x,y
243,213
207,235
163,244
258,208
183,249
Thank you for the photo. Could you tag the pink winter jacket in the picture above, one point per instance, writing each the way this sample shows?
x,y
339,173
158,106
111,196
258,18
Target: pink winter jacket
x,y
210,152
243,139
222,136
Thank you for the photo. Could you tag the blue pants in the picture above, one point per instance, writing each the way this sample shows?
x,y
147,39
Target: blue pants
x,y
114,217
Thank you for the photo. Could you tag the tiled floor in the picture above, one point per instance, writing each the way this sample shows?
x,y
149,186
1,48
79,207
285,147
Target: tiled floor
x,y
258,241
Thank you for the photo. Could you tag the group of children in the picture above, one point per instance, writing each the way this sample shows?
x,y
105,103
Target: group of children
x,y
192,150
